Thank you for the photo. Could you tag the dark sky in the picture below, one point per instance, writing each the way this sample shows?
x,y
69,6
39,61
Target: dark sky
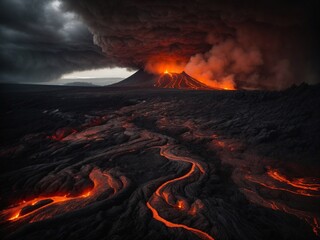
x,y
39,42
268,44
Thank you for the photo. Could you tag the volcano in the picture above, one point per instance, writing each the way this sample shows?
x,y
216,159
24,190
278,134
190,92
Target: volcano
x,y
166,80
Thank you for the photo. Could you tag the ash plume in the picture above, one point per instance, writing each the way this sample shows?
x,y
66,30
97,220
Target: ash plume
x,y
265,44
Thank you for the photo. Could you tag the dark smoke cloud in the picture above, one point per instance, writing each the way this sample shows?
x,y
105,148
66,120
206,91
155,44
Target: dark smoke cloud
x,y
39,42
269,44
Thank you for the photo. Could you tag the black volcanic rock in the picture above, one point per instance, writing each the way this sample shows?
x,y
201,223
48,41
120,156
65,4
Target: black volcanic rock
x,y
140,78
213,153
31,208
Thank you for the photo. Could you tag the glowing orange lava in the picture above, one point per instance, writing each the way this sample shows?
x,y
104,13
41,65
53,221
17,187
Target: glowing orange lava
x,y
304,187
162,62
160,192
168,63
38,207
296,182
274,187
18,211
199,233
180,81
206,78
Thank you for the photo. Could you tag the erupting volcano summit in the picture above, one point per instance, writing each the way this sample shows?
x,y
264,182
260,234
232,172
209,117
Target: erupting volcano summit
x,y
165,80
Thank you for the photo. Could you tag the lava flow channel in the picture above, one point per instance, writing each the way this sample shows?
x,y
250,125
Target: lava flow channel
x,y
303,187
160,192
38,208
300,183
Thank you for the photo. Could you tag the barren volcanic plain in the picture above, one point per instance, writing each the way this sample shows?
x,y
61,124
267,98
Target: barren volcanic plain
x,y
131,163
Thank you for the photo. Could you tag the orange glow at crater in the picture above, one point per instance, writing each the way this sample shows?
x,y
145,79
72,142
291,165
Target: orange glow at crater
x,y
165,64
170,64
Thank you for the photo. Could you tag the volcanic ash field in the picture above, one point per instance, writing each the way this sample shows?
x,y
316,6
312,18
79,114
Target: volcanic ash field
x,y
108,163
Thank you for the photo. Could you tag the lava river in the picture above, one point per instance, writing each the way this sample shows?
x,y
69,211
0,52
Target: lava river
x,y
164,193
44,207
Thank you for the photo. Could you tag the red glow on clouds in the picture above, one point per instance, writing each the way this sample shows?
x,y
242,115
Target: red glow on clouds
x,y
167,64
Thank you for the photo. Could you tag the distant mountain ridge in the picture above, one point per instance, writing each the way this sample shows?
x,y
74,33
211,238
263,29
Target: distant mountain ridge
x,y
81,84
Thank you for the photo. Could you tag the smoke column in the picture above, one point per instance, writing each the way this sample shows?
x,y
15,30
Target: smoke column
x,y
265,45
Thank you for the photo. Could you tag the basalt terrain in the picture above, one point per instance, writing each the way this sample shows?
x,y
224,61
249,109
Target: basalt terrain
x,y
132,163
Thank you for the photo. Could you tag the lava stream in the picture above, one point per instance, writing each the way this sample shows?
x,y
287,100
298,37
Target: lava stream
x,y
266,184
156,216
38,207
301,183
195,167
304,187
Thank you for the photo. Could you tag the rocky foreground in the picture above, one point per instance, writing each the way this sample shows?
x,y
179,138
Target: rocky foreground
x,y
114,163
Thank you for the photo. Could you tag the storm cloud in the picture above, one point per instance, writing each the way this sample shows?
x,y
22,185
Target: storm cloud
x,y
266,44
40,42
253,44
